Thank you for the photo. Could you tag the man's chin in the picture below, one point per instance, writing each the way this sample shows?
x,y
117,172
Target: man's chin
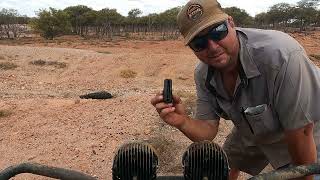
x,y
218,63
219,66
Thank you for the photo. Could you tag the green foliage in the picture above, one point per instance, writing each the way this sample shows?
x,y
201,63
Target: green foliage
x,y
306,12
109,16
83,20
150,19
79,16
51,23
280,13
11,16
169,16
8,16
10,23
133,18
240,16
134,13
303,14
91,17
261,19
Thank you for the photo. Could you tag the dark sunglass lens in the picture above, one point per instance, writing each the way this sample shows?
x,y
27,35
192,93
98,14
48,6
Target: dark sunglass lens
x,y
218,33
198,44
221,27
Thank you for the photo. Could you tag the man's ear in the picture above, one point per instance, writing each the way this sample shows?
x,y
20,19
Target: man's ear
x,y
231,22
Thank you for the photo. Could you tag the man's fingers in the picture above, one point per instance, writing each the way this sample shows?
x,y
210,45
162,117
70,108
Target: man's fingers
x,y
159,93
157,99
176,99
162,105
166,111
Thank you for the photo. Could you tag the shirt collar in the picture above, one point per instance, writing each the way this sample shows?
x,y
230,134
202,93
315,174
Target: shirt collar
x,y
249,67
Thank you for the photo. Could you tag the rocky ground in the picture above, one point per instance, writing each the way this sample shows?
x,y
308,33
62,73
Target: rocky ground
x,y
43,120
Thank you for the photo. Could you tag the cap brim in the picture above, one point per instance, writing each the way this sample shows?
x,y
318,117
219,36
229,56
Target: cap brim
x,y
203,25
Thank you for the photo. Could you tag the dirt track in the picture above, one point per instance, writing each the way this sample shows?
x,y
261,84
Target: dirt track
x,y
49,124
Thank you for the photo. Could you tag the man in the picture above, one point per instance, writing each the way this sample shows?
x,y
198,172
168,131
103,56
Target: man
x,y
262,80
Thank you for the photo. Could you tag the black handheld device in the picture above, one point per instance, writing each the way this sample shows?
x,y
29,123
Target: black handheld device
x,y
167,91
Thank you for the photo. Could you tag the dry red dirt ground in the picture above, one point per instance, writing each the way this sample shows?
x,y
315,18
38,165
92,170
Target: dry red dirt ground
x,y
43,120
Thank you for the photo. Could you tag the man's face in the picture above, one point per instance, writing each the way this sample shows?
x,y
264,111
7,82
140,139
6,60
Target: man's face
x,y
217,45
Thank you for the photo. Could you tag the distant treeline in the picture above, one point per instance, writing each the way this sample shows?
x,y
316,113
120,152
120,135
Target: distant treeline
x,y
108,23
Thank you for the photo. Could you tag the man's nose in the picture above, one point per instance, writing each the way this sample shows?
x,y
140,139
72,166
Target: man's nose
x,y
212,45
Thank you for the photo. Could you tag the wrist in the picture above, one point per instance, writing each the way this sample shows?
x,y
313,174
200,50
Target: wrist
x,y
185,123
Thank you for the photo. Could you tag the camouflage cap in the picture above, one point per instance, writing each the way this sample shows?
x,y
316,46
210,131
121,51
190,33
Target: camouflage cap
x,y
197,15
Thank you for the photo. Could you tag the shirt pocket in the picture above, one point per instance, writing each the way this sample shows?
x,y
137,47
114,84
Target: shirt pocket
x,y
262,122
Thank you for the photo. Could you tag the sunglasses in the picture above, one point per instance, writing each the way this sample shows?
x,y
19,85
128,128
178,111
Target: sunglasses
x,y
216,34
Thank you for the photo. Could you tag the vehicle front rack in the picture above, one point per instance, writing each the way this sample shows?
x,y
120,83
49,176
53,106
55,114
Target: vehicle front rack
x,y
66,174
139,161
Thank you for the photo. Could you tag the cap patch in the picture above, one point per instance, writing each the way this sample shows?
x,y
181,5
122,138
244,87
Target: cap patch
x,y
194,11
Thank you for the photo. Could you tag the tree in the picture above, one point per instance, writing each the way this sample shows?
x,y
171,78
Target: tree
x,y
167,21
11,23
51,23
91,18
78,18
306,12
169,16
133,18
317,17
240,16
261,20
280,13
134,13
110,16
106,19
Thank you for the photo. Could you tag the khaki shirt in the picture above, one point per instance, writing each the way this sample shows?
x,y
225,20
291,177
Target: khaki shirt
x,y
276,75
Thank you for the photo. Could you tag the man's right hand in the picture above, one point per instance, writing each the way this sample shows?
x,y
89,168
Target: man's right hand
x,y
173,114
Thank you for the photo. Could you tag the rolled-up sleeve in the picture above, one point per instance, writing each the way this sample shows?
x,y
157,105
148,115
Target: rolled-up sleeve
x,y
297,91
205,106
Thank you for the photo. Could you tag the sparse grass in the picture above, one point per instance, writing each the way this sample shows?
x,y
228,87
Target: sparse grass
x,y
5,113
127,73
7,66
38,62
2,57
186,94
189,100
167,150
56,64
104,52
316,56
182,77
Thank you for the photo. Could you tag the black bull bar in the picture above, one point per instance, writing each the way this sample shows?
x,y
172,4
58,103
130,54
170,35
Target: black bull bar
x,y
65,174
139,161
